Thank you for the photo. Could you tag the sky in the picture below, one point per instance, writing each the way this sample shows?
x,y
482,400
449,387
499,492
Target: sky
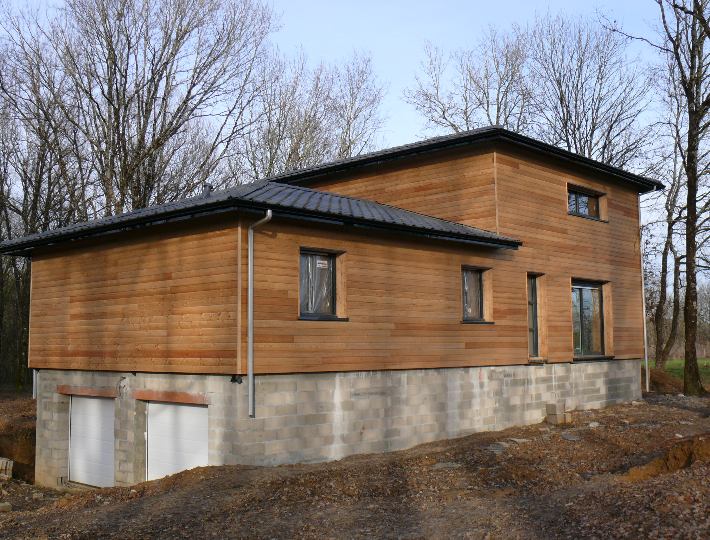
x,y
394,32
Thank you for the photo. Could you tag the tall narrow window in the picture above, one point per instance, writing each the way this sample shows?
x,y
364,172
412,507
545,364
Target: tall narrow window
x,y
533,330
472,283
582,204
317,284
587,319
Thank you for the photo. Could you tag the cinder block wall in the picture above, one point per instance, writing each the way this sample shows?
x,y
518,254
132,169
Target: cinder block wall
x,y
325,416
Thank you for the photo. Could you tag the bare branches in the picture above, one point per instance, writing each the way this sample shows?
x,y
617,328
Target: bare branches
x,y
565,81
155,93
307,116
487,85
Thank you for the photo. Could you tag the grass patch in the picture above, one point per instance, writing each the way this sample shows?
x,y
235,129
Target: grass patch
x,y
674,368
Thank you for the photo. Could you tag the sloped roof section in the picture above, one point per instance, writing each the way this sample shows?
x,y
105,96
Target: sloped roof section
x,y
474,136
284,200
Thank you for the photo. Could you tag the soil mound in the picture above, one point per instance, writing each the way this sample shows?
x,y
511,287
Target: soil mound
x,y
17,434
678,457
661,382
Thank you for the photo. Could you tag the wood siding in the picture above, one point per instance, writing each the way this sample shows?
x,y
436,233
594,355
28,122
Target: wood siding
x,y
164,299
173,298
529,202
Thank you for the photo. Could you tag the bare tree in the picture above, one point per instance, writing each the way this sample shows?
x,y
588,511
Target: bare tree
x,y
589,98
685,35
154,92
565,81
308,116
472,88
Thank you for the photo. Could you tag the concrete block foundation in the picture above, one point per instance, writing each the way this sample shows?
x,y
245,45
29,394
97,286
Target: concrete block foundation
x,y
310,417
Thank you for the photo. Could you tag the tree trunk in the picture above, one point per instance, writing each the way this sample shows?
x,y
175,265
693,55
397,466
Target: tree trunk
x,y
691,375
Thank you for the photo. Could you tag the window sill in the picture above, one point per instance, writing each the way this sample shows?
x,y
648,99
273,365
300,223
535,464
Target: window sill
x,y
585,216
593,358
537,360
473,321
322,318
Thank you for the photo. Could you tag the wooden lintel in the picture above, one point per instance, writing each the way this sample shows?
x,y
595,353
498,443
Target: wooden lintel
x,y
88,391
171,397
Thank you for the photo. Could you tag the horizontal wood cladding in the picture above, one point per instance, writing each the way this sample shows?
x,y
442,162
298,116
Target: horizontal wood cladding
x,y
173,298
457,185
517,193
161,299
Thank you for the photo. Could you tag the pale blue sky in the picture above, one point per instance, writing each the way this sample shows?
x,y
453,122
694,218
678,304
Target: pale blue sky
x,y
394,31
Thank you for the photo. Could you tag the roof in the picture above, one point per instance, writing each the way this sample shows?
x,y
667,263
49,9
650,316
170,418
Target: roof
x,y
284,200
475,136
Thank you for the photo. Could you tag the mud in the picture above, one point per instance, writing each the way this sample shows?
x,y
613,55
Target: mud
x,y
677,458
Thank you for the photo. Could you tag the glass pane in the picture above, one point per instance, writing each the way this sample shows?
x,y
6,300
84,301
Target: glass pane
x,y
596,337
322,284
304,282
572,202
472,294
593,206
583,204
316,282
532,316
586,321
576,321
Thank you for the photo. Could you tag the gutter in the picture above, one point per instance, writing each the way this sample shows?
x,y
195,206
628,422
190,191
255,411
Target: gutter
x,y
446,142
250,317
24,248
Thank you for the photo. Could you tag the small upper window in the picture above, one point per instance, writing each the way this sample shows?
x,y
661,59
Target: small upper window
x,y
472,283
317,284
583,204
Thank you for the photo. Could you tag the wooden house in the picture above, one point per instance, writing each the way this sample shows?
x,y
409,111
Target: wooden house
x,y
427,291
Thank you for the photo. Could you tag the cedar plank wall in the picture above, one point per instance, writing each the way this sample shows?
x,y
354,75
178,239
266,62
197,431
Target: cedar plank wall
x,y
403,302
166,298
530,194
161,299
532,202
441,185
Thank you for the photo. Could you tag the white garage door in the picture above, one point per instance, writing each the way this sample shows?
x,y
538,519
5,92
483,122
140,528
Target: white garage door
x,y
91,441
177,438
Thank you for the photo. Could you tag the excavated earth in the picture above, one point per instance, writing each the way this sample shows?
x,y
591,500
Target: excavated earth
x,y
635,470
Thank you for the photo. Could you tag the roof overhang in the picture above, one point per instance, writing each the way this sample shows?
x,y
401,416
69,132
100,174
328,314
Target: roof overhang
x,y
457,140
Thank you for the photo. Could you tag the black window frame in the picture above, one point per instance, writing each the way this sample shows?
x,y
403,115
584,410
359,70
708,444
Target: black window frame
x,y
533,312
478,272
588,285
332,315
573,208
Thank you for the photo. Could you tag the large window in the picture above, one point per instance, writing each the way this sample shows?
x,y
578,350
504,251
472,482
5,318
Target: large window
x,y
583,204
587,319
533,326
472,284
317,285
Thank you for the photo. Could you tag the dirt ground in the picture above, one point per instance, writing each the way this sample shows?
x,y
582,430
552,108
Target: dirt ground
x,y
636,470
18,413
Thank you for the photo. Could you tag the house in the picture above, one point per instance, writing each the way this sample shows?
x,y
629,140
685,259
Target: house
x,y
428,291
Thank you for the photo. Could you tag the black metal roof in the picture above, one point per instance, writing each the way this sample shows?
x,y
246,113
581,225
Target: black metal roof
x,y
283,200
488,133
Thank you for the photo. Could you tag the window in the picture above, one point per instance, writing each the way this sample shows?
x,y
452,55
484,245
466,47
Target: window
x,y
317,285
533,328
472,284
587,319
583,204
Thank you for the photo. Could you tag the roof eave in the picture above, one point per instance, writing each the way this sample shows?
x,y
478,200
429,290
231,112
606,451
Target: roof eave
x,y
25,249
491,134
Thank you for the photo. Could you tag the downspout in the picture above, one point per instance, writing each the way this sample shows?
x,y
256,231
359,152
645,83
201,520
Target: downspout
x,y
643,306
250,317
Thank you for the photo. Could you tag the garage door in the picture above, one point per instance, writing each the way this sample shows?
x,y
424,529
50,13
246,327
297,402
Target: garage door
x,y
91,441
177,438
